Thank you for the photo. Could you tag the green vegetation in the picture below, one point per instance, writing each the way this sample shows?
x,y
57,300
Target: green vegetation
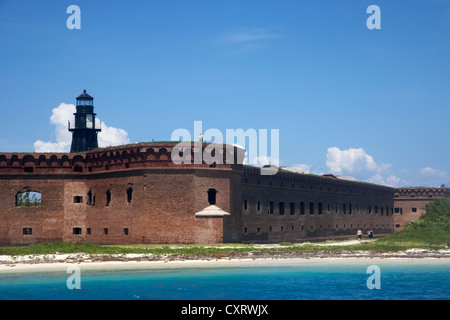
x,y
431,231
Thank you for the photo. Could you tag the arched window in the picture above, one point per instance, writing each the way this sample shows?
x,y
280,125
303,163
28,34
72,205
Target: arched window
x,y
28,199
108,197
212,193
129,194
302,208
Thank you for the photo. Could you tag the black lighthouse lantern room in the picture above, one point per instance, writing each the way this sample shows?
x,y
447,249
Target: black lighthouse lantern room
x,y
84,133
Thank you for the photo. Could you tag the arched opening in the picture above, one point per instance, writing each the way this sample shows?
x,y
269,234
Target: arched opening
x,y
108,197
28,199
129,194
212,195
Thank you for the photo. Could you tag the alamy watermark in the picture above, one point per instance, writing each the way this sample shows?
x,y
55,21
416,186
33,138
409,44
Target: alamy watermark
x,y
74,20
374,280
374,21
191,151
74,280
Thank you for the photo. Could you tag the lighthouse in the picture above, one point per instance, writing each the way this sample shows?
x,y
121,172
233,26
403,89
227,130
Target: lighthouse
x,y
84,132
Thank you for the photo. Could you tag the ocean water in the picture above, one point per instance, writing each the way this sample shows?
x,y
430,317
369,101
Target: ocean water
x,y
309,281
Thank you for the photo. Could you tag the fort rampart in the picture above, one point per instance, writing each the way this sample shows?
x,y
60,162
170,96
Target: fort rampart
x,y
136,194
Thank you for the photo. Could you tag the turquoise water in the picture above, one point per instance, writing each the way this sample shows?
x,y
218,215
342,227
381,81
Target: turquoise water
x,y
318,281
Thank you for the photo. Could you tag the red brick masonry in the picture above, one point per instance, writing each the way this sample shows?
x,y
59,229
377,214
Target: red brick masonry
x,y
136,194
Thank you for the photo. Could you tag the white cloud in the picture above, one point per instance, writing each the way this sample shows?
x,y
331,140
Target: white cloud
x,y
391,180
427,171
109,136
300,168
247,39
261,161
249,35
356,162
353,161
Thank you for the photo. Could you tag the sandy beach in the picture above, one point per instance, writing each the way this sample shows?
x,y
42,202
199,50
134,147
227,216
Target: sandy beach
x,y
42,263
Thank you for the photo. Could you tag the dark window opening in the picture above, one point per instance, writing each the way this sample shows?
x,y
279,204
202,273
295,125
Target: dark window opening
x,y
212,194
125,231
320,208
28,169
292,209
88,231
76,231
77,168
311,208
108,197
27,231
89,196
350,208
271,207
302,208
281,208
105,231
397,210
245,205
129,194
414,209
344,210
259,205
77,199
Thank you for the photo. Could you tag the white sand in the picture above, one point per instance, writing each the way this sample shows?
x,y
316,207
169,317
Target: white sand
x,y
58,261
62,266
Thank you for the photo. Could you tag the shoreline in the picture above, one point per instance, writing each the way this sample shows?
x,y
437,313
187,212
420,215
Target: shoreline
x,y
43,263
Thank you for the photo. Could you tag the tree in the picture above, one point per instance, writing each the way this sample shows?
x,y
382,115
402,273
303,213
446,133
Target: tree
x,y
437,211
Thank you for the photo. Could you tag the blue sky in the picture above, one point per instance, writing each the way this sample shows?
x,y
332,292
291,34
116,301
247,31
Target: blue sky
x,y
372,104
